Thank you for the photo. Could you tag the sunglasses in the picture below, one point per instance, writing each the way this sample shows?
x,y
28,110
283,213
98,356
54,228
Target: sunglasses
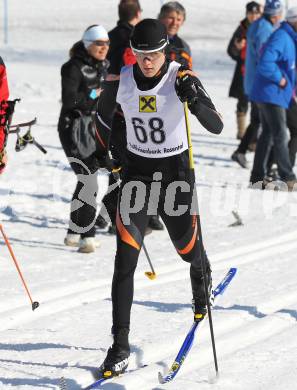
x,y
100,43
152,56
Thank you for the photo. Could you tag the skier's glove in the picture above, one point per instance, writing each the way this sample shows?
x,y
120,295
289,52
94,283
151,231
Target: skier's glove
x,y
186,87
189,89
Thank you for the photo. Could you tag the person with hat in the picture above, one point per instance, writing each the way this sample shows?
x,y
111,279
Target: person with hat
x,y
82,78
156,173
119,55
237,51
273,90
257,35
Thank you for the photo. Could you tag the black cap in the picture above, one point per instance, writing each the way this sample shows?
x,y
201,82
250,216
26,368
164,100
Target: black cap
x,y
149,35
253,7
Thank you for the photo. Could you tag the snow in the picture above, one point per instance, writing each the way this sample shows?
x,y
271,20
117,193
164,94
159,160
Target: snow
x,y
68,335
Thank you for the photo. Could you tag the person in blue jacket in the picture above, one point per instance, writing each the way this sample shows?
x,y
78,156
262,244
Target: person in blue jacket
x,y
273,90
257,35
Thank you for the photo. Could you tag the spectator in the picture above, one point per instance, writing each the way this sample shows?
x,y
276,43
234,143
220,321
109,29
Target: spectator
x,y
173,15
273,89
257,35
120,52
82,77
4,94
237,51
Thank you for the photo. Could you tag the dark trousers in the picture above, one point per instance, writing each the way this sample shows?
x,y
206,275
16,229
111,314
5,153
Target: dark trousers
x,y
182,230
251,131
83,204
243,104
274,133
292,125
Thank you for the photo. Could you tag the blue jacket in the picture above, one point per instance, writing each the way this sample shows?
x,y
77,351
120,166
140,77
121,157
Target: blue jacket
x,y
278,60
257,35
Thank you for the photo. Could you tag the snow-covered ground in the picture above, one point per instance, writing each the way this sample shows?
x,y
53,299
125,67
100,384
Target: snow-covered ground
x,y
255,321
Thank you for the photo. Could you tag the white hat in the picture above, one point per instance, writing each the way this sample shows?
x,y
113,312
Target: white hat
x,y
94,33
292,14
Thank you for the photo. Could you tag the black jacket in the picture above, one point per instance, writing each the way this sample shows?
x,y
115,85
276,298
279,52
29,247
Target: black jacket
x,y
236,88
80,75
178,50
120,53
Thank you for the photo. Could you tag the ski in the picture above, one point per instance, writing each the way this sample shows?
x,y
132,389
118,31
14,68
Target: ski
x,y
183,352
99,382
95,385
188,342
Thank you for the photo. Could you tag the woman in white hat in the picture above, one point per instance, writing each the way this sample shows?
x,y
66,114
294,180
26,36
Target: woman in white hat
x,y
82,78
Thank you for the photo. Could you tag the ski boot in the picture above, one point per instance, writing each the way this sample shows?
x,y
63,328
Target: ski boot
x,y
199,304
117,359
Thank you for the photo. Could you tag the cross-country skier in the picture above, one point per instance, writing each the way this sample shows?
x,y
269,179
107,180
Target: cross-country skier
x,y
150,95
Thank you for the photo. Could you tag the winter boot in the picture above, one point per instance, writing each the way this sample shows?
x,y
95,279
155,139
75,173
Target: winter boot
x,y
155,223
240,159
72,239
88,245
199,303
241,124
117,358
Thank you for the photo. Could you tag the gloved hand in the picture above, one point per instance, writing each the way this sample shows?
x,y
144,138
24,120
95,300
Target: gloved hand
x,y
186,86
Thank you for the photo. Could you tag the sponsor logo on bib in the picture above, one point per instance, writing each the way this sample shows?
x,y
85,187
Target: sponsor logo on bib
x,y
147,103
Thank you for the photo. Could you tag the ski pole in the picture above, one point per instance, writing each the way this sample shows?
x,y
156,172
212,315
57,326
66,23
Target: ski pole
x,y
201,248
150,274
34,304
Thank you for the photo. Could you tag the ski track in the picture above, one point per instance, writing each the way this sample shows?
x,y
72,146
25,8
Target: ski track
x,y
247,333
62,299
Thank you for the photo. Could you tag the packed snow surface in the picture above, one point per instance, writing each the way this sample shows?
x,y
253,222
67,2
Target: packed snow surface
x,y
68,335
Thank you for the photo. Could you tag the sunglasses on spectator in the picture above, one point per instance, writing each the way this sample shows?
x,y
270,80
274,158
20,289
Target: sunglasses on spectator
x,y
100,43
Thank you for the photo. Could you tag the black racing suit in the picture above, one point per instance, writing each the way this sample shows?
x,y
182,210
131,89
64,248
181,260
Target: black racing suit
x,y
182,229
